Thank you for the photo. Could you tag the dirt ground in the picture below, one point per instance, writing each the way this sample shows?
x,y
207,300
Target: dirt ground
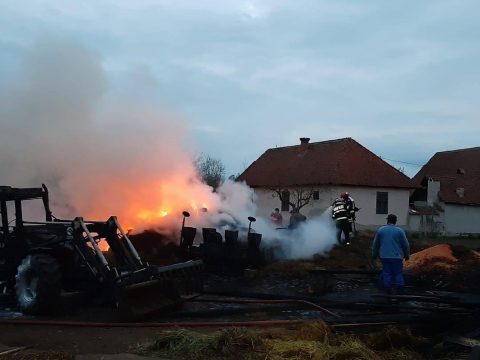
x,y
308,279
73,341
314,341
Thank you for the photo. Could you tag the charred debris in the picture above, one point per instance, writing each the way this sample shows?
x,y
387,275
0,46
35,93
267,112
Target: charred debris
x,y
226,280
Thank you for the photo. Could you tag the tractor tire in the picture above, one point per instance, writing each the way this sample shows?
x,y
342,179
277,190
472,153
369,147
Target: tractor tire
x,y
38,284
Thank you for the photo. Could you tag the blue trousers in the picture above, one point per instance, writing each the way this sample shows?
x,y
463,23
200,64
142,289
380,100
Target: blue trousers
x,y
392,271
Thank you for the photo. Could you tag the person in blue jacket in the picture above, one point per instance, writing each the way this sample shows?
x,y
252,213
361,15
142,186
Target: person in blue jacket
x,y
391,245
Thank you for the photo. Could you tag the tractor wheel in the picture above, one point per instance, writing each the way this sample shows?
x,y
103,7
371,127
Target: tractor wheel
x,y
38,284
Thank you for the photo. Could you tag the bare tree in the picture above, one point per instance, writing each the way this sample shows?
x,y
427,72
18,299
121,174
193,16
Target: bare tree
x,y
211,170
296,198
234,177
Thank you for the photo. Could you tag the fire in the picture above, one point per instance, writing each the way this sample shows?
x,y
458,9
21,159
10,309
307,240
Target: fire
x,y
194,205
103,246
153,202
149,215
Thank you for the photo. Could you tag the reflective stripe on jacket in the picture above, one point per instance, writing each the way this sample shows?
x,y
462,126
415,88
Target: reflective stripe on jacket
x,y
339,209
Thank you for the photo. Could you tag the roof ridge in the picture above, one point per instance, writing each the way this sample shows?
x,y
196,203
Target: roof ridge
x,y
313,143
325,163
458,150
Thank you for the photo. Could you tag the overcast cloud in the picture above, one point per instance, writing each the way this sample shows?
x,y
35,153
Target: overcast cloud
x,y
400,77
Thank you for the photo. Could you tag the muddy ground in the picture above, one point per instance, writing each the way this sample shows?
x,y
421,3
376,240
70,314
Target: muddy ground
x,y
344,282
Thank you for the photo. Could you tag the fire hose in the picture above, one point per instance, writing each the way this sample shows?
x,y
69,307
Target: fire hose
x,y
261,301
91,324
260,323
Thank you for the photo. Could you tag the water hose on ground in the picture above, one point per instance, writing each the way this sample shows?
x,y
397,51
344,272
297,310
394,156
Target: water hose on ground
x,y
261,323
262,301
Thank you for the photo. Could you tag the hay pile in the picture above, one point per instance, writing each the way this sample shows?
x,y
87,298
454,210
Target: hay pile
x,y
185,344
357,255
442,255
311,341
156,248
447,267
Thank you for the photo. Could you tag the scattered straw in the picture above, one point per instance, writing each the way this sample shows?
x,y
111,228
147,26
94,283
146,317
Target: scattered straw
x,y
314,341
393,337
314,331
229,343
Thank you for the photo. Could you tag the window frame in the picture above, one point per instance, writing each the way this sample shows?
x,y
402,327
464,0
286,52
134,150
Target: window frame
x,y
381,207
285,201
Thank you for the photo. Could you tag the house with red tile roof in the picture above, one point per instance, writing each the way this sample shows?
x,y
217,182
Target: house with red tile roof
x,y
447,198
324,170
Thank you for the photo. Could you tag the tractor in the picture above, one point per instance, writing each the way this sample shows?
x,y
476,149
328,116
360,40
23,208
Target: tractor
x,y
41,260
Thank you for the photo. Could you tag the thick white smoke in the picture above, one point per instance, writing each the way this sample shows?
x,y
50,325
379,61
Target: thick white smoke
x,y
315,236
105,155
99,154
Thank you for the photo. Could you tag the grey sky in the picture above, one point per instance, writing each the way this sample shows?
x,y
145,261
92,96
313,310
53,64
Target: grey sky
x,y
400,77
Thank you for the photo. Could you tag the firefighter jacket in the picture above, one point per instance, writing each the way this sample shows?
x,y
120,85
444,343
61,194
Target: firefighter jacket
x,y
339,210
351,209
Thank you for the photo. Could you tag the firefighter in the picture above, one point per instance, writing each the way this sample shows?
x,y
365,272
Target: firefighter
x,y
340,213
351,210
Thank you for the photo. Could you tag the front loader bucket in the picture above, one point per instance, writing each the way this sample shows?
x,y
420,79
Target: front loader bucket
x,y
139,300
169,287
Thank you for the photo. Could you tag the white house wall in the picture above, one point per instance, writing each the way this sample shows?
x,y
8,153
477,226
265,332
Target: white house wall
x,y
365,198
455,219
427,223
461,219
414,223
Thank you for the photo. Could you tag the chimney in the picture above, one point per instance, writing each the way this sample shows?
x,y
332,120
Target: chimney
x,y
304,141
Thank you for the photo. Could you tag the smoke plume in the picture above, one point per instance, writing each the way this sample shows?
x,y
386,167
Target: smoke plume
x,y
102,154
98,154
315,236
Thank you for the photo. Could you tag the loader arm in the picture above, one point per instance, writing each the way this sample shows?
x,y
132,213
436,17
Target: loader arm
x,y
137,288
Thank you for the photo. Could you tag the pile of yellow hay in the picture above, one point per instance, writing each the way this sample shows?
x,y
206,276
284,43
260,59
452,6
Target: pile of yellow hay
x,y
441,254
445,266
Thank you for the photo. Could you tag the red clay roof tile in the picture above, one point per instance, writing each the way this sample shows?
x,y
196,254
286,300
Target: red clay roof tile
x,y
334,162
456,170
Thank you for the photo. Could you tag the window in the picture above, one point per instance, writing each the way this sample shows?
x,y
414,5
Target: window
x,y
316,195
285,200
382,202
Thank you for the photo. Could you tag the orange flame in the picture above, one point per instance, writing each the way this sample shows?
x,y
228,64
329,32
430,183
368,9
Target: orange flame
x,y
148,199
103,246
